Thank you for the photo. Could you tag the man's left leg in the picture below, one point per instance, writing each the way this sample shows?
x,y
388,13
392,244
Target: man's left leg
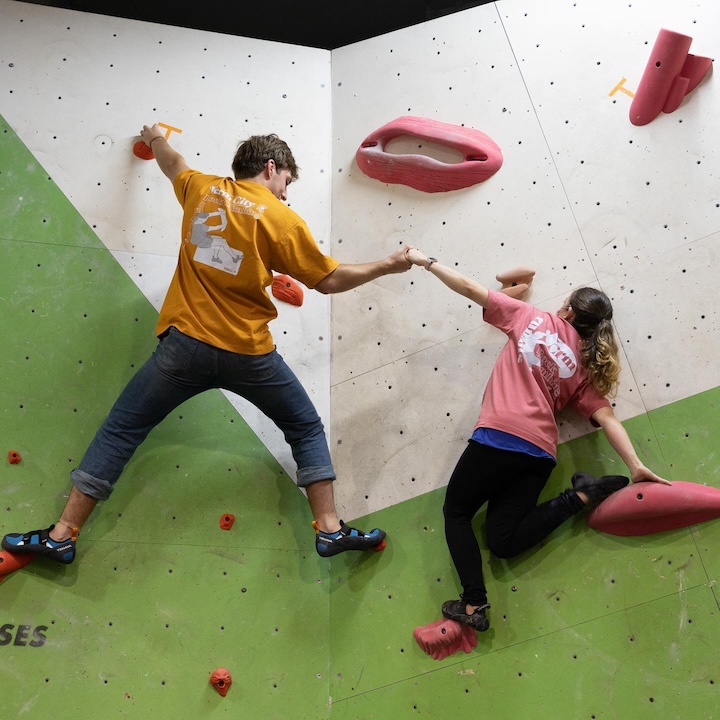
x,y
268,383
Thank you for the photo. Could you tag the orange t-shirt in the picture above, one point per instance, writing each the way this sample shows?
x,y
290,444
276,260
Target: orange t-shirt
x,y
235,233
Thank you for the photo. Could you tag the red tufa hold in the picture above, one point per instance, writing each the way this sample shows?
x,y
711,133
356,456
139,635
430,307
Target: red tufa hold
x,y
286,289
14,457
445,637
671,73
226,521
221,680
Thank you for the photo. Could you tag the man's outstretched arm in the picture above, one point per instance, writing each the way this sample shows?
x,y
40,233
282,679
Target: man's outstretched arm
x,y
349,276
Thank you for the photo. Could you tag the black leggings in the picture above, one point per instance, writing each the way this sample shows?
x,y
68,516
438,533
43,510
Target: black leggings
x,y
510,482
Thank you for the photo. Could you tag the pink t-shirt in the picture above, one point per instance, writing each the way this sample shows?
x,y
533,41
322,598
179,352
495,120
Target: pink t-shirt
x,y
537,373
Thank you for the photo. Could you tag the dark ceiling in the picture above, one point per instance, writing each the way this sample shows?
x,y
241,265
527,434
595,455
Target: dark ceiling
x,y
326,24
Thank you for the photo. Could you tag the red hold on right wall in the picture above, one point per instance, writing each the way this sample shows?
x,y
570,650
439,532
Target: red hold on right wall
x,y
670,74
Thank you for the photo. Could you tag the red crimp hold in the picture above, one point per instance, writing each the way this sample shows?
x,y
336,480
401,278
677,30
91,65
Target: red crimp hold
x,y
226,521
221,680
286,289
14,457
141,150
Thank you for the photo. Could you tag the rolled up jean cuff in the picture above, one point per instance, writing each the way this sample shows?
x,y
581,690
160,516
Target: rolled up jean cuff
x,y
309,475
92,486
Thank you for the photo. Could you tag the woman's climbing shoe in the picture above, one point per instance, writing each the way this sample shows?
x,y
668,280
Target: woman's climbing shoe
x,y
456,610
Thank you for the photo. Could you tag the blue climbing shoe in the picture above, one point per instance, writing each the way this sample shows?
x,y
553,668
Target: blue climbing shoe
x,y
347,538
39,542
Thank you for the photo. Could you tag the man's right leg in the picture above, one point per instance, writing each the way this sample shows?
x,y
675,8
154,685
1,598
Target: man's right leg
x,y
158,387
74,515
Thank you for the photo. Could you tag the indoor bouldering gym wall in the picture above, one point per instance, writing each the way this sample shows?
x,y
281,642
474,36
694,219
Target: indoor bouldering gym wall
x,y
608,177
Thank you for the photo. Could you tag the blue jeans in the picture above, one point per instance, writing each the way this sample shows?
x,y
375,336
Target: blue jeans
x,y
180,368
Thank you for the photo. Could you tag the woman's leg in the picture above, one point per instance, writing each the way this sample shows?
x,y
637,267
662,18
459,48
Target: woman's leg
x,y
515,522
471,485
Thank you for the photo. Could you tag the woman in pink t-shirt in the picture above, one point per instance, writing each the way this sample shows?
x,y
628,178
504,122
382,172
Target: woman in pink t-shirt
x,y
550,361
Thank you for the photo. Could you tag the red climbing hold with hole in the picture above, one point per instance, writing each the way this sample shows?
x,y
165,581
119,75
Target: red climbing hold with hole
x,y
14,457
649,507
221,680
226,521
10,562
671,73
286,289
445,637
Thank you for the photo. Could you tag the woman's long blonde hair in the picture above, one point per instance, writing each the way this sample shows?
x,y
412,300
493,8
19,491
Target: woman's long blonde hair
x,y
592,316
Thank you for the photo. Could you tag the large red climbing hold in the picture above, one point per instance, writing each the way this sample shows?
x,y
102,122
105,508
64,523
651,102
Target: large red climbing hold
x,y
648,507
670,74
482,157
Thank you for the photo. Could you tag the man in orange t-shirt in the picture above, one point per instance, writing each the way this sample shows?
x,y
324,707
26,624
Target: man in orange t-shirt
x,y
213,333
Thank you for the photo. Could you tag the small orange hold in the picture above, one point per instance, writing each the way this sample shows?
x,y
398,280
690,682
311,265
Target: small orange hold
x,y
286,289
14,457
221,680
141,150
380,546
226,521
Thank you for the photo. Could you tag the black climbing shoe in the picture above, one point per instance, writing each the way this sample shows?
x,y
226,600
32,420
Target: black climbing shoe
x,y
597,489
455,610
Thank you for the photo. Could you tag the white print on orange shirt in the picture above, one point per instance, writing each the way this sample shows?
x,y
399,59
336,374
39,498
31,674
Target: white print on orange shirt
x,y
212,248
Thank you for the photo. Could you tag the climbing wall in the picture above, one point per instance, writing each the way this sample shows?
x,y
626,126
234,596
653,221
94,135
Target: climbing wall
x,y
161,595
587,625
